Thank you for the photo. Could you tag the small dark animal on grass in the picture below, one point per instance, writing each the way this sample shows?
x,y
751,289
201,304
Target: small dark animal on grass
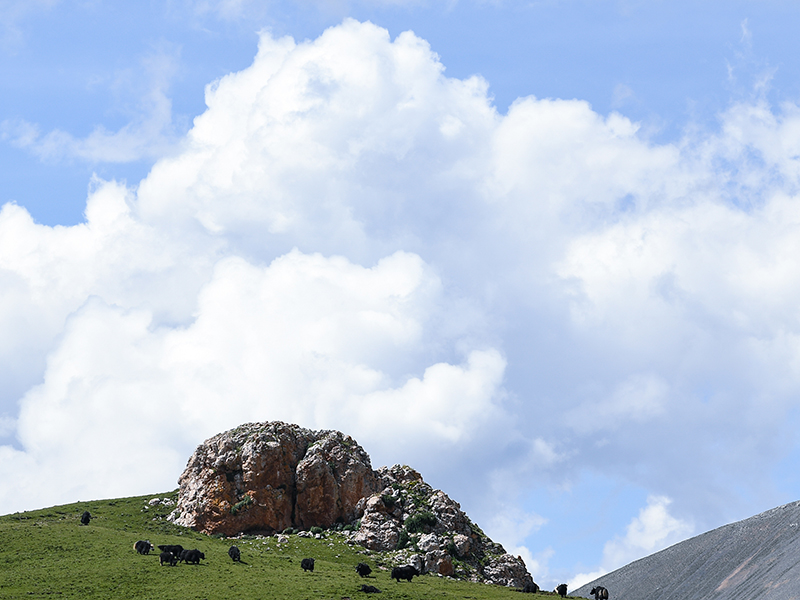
x,y
235,554
370,589
405,572
192,557
176,549
143,547
561,590
307,564
85,517
599,593
530,588
169,558
363,569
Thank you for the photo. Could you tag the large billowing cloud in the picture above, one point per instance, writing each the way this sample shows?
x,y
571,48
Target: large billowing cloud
x,y
348,238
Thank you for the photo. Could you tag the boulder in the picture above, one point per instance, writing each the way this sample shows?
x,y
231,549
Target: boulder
x,y
271,476
380,526
444,566
461,543
507,569
429,542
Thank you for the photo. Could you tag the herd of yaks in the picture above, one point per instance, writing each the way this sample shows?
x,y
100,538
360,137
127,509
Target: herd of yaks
x,y
173,554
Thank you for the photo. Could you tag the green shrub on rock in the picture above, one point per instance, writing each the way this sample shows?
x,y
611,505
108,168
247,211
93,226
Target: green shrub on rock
x,y
402,540
244,503
418,522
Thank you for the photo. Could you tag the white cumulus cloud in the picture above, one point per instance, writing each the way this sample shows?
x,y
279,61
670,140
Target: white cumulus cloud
x,y
349,238
653,529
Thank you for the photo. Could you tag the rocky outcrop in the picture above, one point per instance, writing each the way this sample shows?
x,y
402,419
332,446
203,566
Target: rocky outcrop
x,y
268,477
428,529
272,476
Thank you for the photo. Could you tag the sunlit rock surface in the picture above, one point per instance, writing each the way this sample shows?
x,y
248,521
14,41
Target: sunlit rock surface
x,y
267,477
270,477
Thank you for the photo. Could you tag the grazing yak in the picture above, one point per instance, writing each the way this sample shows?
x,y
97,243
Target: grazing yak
x,y
169,558
405,572
370,589
235,554
307,564
86,517
363,569
176,549
143,547
530,588
192,557
561,590
599,593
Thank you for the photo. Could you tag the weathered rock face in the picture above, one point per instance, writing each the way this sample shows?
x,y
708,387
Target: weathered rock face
x,y
429,530
332,478
270,476
266,477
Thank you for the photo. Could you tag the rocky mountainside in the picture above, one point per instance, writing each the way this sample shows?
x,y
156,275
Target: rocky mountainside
x,y
264,478
754,559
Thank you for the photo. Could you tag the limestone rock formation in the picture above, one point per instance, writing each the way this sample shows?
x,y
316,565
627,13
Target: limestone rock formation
x,y
268,477
429,530
271,476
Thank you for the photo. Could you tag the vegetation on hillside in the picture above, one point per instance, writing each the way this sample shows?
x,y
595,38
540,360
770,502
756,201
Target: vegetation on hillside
x,y
48,554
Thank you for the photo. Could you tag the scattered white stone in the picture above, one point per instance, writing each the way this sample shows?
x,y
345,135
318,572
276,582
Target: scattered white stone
x,y
428,542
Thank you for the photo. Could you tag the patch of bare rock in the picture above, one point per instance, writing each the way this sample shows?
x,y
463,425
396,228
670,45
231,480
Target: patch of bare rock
x,y
272,477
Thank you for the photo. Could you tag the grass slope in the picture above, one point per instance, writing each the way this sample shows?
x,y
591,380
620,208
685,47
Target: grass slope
x,y
48,554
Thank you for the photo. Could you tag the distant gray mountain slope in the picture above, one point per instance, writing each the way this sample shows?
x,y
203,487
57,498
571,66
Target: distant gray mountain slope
x,y
754,559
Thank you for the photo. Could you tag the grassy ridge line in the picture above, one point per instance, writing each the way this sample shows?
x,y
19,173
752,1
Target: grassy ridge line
x,y
48,554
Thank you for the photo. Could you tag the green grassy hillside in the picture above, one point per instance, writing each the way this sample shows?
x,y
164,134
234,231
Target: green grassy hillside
x,y
47,553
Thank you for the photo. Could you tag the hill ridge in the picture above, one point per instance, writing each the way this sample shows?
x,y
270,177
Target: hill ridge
x,y
757,558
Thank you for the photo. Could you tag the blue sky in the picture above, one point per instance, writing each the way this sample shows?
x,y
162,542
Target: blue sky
x,y
556,241
665,64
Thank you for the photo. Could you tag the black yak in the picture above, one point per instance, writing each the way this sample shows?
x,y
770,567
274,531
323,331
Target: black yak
x,y
307,564
235,554
530,588
169,558
176,549
406,572
143,547
599,593
363,569
561,590
370,589
192,557
85,517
